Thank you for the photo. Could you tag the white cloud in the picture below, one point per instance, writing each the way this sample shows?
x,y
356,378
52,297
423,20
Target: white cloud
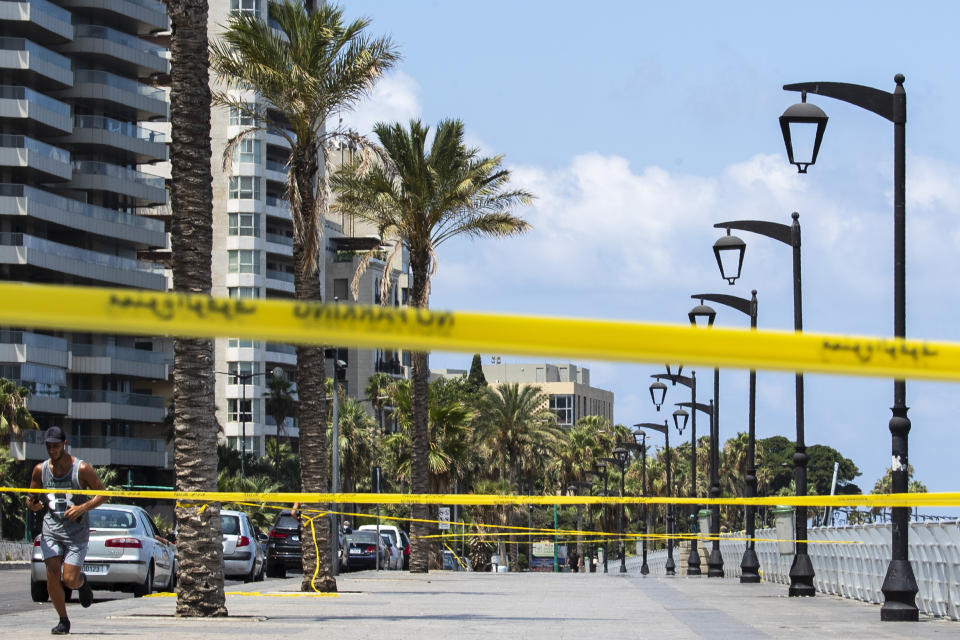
x,y
395,97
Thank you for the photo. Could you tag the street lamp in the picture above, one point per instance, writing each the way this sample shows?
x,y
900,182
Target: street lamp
x,y
622,456
693,559
601,469
749,564
715,560
244,379
670,567
801,116
801,572
593,544
640,437
338,365
899,586
658,392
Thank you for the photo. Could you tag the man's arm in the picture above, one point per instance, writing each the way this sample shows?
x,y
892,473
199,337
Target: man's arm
x,y
34,503
88,480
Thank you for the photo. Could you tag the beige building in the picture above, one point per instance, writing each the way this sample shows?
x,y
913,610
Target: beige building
x,y
567,385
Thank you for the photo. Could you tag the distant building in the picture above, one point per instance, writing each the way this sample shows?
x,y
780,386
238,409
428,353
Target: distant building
x,y
567,385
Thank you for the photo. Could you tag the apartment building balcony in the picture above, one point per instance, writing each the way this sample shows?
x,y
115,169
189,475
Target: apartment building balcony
x,y
116,405
23,109
276,171
135,144
112,90
30,160
21,200
278,243
39,253
25,61
100,450
26,346
108,359
277,207
93,175
391,366
143,16
119,50
277,353
39,20
279,280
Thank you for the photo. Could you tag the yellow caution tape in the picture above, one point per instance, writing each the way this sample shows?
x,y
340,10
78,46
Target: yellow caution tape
x,y
180,314
944,499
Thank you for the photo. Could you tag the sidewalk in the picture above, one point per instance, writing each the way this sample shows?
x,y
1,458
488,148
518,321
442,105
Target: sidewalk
x,y
467,606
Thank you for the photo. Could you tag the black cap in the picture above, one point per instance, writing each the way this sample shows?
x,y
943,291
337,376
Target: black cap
x,y
54,434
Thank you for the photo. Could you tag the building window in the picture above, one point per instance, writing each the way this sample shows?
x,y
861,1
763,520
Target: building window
x,y
244,224
240,410
236,370
243,293
241,118
243,261
562,407
237,343
244,188
246,6
247,150
251,443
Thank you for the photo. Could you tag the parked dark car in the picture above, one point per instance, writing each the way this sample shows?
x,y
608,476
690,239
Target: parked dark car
x,y
283,545
361,549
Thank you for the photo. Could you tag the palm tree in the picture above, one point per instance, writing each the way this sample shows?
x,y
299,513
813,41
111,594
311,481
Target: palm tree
x,y
281,405
377,389
425,197
14,414
317,66
191,235
14,419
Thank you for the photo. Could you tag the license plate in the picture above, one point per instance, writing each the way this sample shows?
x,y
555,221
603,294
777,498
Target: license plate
x,y
95,569
355,552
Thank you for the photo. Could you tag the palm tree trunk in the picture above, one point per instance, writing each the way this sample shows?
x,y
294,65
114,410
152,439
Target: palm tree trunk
x,y
419,434
199,547
311,385
580,536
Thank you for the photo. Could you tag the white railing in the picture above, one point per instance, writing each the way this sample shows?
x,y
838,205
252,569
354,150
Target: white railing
x,y
855,565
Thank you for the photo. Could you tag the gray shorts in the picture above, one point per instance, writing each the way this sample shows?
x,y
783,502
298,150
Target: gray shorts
x,y
73,552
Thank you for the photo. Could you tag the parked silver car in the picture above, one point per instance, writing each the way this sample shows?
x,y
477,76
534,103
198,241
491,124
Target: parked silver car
x,y
243,553
126,553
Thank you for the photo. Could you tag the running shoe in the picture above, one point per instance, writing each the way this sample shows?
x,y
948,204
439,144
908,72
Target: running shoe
x,y
85,593
62,628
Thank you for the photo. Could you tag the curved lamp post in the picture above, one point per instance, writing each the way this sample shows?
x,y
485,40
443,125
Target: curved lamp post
x,y
729,251
749,564
640,437
899,586
703,315
601,470
244,379
693,560
715,560
670,567
622,455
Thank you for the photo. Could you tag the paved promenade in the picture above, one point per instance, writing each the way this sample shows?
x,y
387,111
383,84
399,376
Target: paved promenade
x,y
465,606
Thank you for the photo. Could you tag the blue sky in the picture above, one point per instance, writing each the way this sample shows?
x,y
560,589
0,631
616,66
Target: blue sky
x,y
639,125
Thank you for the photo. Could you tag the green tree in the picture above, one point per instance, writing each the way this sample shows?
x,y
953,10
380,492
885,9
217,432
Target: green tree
x,y
476,378
199,547
280,405
425,197
15,417
318,66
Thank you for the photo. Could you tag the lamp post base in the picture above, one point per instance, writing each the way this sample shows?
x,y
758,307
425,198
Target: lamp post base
x,y
693,560
715,564
801,577
749,567
671,568
644,569
900,593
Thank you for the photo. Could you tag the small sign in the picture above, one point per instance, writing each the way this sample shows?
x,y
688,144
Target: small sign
x,y
444,518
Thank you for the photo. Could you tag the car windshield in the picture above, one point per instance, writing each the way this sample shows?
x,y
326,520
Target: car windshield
x,y
230,525
387,539
112,519
286,522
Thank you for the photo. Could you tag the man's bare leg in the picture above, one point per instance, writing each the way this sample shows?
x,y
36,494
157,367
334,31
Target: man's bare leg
x,y
55,586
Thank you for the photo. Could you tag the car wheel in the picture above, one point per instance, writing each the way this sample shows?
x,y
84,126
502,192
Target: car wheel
x,y
250,577
147,587
276,571
263,569
172,586
38,591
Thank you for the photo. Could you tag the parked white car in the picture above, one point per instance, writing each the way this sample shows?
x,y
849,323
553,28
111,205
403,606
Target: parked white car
x,y
125,553
395,559
243,555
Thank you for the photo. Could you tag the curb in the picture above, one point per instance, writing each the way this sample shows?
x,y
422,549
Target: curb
x,y
14,564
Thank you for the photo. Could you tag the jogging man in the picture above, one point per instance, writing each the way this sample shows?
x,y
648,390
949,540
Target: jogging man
x,y
66,525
